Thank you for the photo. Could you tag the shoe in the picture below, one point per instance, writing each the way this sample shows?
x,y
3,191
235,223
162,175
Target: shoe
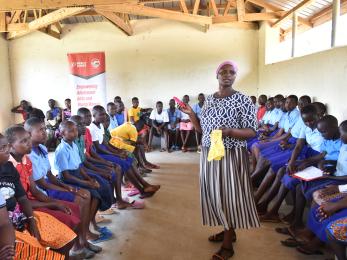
x,y
94,248
84,253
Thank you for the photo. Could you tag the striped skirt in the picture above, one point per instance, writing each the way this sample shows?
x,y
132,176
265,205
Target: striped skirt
x,y
226,192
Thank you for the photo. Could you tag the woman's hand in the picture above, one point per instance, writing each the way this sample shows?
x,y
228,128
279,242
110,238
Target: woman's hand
x,y
33,230
226,131
186,109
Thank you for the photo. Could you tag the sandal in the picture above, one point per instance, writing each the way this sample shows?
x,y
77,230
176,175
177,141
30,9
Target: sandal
x,y
100,219
152,166
223,254
267,219
307,251
291,242
109,211
219,237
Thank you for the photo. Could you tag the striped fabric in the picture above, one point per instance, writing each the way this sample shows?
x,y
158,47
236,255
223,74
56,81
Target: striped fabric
x,y
226,192
28,252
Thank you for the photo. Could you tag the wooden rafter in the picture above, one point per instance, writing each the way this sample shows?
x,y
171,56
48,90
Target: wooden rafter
x,y
118,21
48,30
227,8
240,4
183,6
196,6
289,14
137,9
48,19
13,5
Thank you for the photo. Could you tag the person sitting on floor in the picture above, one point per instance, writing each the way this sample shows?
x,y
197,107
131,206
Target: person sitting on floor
x,y
159,121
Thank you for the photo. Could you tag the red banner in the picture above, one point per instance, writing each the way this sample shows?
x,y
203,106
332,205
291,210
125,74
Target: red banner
x,y
88,77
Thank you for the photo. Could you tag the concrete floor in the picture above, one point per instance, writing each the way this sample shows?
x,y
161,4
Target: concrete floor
x,y
169,228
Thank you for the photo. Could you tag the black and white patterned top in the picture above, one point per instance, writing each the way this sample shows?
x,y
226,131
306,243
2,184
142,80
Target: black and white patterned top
x,y
235,111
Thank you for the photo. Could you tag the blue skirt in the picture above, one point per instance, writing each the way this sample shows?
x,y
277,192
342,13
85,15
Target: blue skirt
x,y
280,157
255,140
319,228
125,164
94,193
61,195
308,187
290,182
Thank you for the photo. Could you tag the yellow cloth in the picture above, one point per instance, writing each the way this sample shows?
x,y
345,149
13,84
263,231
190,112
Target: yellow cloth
x,y
121,135
217,150
134,112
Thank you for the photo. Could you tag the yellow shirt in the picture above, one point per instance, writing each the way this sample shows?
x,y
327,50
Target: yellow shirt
x,y
121,134
134,112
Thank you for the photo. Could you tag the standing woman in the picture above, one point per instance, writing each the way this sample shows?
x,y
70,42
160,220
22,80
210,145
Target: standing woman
x,y
226,192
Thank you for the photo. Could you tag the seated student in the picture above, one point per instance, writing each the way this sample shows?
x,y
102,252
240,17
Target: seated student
x,y
121,114
254,102
173,126
22,109
111,110
118,99
197,110
302,156
68,163
55,189
66,212
66,113
261,109
118,157
125,137
159,120
54,117
134,114
275,154
287,121
186,127
29,246
50,232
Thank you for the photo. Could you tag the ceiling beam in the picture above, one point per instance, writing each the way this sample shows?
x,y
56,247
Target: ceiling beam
x,y
240,6
249,17
289,14
136,9
48,30
117,21
12,5
47,19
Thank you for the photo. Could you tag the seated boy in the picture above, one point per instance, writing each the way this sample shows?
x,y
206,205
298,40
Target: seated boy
x,y
173,126
159,119
68,163
121,113
111,110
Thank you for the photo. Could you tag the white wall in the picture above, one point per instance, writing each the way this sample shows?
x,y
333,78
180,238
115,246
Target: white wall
x,y
161,60
6,117
323,76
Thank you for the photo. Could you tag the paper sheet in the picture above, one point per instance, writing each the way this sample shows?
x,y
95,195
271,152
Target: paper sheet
x,y
310,173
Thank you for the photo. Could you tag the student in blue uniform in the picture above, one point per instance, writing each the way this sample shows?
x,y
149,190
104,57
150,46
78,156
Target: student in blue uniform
x,y
197,110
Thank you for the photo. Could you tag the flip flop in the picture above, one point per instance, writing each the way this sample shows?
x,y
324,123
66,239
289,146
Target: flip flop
x,y
308,252
134,192
264,218
152,166
105,231
100,219
146,195
109,211
102,238
291,242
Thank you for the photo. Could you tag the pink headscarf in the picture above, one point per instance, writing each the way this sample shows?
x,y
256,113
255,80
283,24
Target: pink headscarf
x,y
228,62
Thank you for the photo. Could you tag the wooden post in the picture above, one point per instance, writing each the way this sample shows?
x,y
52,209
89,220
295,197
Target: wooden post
x,y
335,18
294,27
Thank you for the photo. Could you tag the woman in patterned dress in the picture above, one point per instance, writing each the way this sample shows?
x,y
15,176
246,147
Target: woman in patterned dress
x,y
225,189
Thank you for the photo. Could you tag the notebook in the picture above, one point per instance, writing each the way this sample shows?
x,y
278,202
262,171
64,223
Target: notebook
x,y
309,174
